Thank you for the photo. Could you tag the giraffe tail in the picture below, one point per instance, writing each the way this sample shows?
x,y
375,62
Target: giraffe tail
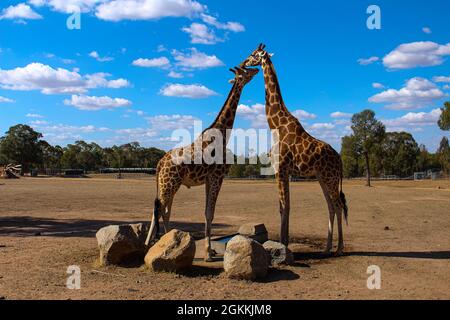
x,y
344,204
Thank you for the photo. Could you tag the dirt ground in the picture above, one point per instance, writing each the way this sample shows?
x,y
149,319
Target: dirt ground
x,y
48,224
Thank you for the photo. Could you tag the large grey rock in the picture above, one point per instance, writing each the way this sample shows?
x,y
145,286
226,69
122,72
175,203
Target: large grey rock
x,y
121,244
174,252
255,231
245,259
279,254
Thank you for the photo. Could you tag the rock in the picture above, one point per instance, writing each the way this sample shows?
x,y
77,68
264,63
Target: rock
x,y
174,252
255,231
387,228
245,259
121,244
278,253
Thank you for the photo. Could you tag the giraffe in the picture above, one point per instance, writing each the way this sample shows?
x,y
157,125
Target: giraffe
x,y
171,174
300,154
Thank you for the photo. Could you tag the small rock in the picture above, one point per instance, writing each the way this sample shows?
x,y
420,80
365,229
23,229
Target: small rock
x,y
245,259
120,245
37,234
2,298
174,252
387,228
279,254
255,231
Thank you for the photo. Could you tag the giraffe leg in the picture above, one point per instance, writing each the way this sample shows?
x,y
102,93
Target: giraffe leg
x,y
331,213
340,248
213,185
166,216
283,189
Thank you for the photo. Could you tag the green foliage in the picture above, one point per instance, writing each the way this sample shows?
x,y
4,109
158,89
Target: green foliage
x,y
350,157
399,154
443,154
444,120
21,145
368,133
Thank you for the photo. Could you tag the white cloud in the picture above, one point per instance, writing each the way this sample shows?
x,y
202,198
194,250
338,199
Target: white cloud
x,y
196,60
58,133
254,113
38,122
230,26
426,30
171,122
417,93
6,100
193,91
34,115
377,85
416,54
37,76
339,114
447,87
161,48
162,62
367,61
175,75
96,56
413,120
117,10
321,126
20,11
201,34
441,79
92,103
67,6
303,115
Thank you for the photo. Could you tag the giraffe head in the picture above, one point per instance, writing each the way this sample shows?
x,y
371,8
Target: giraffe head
x,y
256,57
242,76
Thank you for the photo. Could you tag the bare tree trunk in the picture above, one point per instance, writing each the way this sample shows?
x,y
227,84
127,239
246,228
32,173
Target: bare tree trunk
x,y
366,157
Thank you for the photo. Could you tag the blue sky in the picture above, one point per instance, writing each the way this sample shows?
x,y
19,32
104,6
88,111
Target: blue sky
x,y
138,74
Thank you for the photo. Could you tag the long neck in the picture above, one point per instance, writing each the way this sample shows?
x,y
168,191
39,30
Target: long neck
x,y
226,116
275,106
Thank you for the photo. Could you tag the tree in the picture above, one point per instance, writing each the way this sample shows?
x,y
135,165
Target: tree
x,y
51,155
444,120
443,154
400,152
368,132
350,157
21,145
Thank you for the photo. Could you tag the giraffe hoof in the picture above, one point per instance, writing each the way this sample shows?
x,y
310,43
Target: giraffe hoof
x,y
209,259
327,251
338,253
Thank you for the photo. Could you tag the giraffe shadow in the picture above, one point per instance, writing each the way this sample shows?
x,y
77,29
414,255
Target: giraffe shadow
x,y
26,226
436,255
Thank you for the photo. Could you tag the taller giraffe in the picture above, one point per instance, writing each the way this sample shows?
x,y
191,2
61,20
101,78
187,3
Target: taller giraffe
x,y
172,173
300,154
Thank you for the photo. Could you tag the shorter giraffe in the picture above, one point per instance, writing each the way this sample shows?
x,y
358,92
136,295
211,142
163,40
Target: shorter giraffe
x,y
299,154
171,174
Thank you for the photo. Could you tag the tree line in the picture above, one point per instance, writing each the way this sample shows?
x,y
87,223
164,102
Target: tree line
x,y
23,145
370,150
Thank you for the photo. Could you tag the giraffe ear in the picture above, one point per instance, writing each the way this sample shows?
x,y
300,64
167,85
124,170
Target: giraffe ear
x,y
232,81
271,54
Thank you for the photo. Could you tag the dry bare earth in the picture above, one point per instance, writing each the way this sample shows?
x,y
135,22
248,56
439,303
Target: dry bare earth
x,y
47,224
